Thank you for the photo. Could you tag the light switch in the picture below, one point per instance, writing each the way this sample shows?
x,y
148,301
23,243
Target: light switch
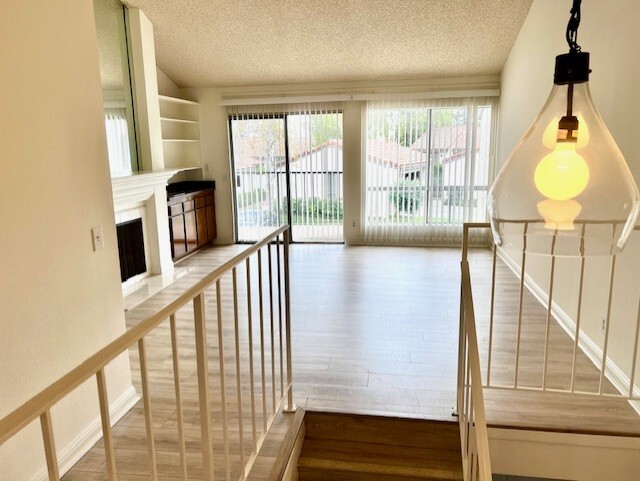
x,y
98,241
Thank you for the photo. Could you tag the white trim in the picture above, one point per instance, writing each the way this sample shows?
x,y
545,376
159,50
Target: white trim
x,y
439,94
114,98
590,348
285,99
549,455
346,97
363,87
178,121
140,183
176,100
83,443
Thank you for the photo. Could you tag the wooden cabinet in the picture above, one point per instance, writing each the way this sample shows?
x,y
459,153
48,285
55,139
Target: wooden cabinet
x,y
192,221
201,226
178,237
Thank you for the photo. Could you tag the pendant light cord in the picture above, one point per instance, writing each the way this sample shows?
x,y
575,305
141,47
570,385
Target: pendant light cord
x,y
572,27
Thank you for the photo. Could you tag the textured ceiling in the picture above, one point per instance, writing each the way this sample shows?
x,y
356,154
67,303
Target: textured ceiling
x,y
109,27
258,42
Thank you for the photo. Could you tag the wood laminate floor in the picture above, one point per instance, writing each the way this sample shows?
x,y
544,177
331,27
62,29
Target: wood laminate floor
x,y
375,330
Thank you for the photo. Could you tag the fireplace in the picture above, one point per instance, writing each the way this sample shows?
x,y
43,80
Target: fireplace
x,y
131,249
144,195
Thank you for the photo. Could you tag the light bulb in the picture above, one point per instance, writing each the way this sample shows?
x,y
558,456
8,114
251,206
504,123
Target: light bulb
x,y
559,214
563,174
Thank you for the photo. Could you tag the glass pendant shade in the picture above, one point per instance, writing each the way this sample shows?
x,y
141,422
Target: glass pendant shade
x,y
566,194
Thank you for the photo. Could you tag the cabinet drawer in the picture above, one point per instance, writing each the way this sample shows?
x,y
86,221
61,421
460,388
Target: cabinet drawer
x,y
175,209
188,205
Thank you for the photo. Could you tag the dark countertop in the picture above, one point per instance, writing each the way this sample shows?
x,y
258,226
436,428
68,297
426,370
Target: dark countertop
x,y
187,186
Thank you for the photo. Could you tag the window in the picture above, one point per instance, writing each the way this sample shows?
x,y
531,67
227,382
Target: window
x,y
427,169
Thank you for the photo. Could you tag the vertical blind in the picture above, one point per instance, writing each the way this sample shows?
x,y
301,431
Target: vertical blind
x,y
287,160
427,168
115,119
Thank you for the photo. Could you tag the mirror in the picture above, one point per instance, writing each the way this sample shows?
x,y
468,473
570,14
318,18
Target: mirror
x,y
115,74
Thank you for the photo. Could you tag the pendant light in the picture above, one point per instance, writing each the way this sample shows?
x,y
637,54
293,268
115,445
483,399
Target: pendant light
x,y
566,188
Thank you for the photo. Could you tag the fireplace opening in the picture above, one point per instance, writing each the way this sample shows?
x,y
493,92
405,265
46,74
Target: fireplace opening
x,y
131,249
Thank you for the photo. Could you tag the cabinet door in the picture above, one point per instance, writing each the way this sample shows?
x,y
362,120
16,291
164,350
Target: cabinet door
x,y
191,230
178,239
211,222
201,218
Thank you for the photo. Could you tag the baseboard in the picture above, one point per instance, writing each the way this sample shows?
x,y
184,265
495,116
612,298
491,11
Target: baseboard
x,y
74,451
590,348
549,455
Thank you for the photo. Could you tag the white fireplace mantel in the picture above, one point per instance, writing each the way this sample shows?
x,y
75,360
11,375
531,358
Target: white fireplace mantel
x,y
138,186
133,190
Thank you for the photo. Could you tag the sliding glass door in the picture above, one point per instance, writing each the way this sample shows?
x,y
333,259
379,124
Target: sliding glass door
x,y
258,150
288,165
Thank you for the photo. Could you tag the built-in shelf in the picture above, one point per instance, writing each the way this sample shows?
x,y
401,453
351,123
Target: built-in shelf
x,y
175,100
180,132
179,121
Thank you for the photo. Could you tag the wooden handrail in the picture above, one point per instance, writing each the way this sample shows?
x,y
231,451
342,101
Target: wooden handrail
x,y
41,402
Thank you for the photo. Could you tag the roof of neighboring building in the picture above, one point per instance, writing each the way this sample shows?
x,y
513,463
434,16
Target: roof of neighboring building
x,y
450,137
316,148
446,137
385,152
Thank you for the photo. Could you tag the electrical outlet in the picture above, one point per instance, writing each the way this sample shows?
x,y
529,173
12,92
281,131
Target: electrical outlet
x,y
353,223
604,324
206,167
98,240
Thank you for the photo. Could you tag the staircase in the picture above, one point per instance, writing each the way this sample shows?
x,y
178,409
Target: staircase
x,y
350,447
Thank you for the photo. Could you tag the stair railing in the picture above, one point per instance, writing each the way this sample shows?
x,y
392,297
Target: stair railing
x,y
624,384
474,438
40,405
612,382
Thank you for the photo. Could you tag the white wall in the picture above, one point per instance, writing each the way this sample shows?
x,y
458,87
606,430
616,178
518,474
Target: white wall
x,y
166,86
353,131
610,33
214,150
60,301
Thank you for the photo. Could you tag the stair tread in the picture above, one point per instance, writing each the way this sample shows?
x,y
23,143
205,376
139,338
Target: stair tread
x,y
381,454
307,474
383,430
